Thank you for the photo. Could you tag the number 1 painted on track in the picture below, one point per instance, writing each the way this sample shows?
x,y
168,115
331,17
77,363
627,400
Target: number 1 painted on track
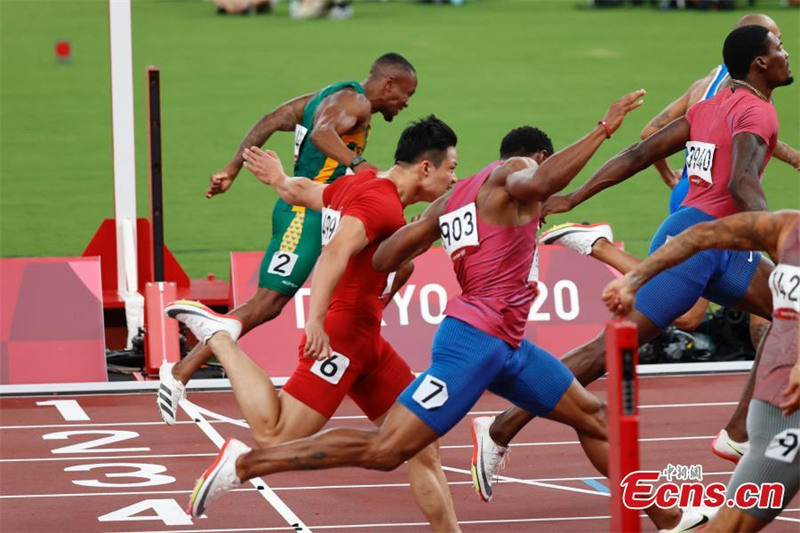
x,y
69,409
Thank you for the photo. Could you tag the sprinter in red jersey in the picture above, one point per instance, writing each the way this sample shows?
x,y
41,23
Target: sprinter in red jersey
x,y
342,352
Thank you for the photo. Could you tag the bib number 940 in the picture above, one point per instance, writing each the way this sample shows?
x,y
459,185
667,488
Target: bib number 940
x,y
459,229
699,161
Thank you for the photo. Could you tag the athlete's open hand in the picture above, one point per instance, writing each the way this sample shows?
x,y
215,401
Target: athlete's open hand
x,y
622,107
792,392
318,345
264,164
220,182
619,296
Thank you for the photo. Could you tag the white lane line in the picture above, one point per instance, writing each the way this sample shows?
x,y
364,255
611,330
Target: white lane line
x,y
530,482
240,422
314,487
443,447
570,442
392,524
266,492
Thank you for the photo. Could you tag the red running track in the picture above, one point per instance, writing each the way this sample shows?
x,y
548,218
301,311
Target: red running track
x,y
57,476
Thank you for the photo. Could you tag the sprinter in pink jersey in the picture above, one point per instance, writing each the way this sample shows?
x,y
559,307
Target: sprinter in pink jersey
x,y
730,139
773,421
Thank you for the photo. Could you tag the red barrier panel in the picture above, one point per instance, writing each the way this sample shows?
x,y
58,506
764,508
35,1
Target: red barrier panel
x,y
623,419
161,334
51,321
567,313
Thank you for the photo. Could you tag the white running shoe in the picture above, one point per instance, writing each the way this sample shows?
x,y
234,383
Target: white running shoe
x,y
202,321
487,457
218,479
578,237
729,449
692,519
170,392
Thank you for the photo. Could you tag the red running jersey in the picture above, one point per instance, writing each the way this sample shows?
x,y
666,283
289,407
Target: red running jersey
x,y
495,266
376,203
780,348
709,152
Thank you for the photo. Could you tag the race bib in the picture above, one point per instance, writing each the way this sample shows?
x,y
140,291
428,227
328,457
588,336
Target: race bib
x,y
699,161
533,275
300,133
784,282
783,446
282,263
330,223
459,229
331,369
431,393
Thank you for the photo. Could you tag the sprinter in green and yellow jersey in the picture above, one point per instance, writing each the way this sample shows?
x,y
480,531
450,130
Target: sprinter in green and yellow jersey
x,y
331,128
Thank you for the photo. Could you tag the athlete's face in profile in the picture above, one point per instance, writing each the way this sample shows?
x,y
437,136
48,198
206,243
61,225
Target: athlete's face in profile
x,y
777,62
437,180
399,90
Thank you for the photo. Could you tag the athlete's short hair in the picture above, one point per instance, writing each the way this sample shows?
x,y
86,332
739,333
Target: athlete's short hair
x,y
389,61
741,47
428,138
524,142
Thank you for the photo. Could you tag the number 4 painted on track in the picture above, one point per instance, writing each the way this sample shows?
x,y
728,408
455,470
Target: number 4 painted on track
x,y
69,409
167,511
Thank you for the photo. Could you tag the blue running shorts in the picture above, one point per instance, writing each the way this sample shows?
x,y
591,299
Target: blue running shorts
x,y
467,361
679,192
721,276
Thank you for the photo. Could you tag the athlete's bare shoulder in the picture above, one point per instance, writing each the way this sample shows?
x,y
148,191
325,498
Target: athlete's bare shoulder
x,y
697,89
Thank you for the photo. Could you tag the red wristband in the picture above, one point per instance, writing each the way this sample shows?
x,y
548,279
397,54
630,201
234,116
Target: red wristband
x,y
605,126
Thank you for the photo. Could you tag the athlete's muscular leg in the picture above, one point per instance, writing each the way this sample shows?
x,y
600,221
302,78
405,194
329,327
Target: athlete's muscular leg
x,y
587,414
272,418
265,305
429,486
587,363
401,436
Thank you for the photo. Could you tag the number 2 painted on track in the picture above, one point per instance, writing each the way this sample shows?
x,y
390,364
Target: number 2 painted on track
x,y
92,446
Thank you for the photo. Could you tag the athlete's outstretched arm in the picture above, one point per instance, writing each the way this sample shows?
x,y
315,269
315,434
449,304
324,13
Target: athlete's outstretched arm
x,y
622,166
749,151
674,110
538,184
787,154
411,240
284,118
266,166
743,231
338,114
350,238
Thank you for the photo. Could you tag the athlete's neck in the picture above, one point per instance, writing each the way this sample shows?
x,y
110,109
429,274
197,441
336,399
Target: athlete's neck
x,y
758,87
405,180
372,90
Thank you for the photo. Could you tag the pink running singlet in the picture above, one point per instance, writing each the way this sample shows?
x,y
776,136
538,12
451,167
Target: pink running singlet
x,y
713,125
780,347
495,265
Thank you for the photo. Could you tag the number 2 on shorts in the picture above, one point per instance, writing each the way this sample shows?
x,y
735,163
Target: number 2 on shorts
x,y
282,263
431,392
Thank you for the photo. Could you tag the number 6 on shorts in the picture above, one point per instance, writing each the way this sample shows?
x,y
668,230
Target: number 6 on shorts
x,y
331,369
431,392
